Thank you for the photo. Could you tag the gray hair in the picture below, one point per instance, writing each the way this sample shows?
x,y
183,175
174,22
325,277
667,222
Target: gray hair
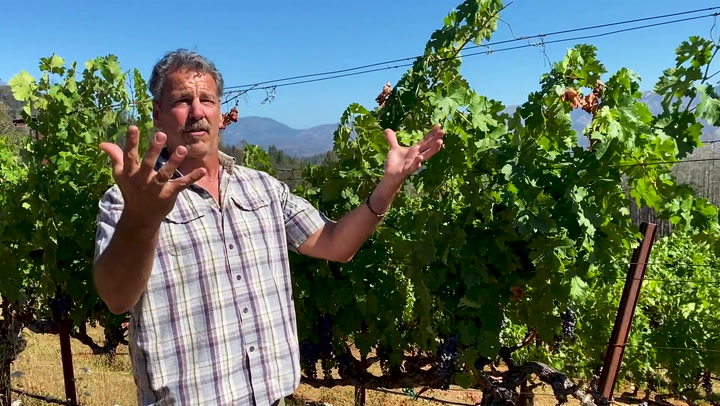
x,y
182,59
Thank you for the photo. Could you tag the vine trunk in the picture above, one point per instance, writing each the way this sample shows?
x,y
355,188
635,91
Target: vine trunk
x,y
12,344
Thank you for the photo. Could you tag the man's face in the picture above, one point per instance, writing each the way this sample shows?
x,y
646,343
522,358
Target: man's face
x,y
189,113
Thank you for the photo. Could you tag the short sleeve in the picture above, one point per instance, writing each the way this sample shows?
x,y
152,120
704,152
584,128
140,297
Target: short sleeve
x,y
110,209
302,219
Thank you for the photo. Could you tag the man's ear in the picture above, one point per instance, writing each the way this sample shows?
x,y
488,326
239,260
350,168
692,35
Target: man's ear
x,y
155,112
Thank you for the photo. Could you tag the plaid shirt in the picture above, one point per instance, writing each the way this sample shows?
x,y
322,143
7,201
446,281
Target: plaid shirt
x,y
216,325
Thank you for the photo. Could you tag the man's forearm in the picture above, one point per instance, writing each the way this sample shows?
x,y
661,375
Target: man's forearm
x,y
123,269
348,234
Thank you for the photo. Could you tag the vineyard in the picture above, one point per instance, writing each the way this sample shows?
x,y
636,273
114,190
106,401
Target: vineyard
x,y
501,263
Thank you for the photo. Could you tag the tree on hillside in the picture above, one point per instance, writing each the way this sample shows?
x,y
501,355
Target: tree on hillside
x,y
288,168
14,107
8,129
6,124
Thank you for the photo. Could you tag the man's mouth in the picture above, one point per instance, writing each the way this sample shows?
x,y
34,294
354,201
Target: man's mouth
x,y
197,129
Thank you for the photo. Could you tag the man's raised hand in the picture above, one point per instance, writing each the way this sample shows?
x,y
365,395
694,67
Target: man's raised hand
x,y
148,195
401,161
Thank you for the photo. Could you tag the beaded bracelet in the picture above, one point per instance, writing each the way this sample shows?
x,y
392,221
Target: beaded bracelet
x,y
367,203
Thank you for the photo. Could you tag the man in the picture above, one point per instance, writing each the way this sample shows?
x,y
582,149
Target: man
x,y
195,247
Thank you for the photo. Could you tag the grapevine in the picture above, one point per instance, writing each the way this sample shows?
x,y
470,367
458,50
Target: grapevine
x,y
707,384
46,250
505,236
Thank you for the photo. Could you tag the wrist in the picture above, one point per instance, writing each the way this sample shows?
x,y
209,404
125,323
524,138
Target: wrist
x,y
382,197
389,186
139,223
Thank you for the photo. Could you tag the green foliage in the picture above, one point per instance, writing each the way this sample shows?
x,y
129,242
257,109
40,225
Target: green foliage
x,y
513,220
51,197
675,337
13,224
678,309
256,157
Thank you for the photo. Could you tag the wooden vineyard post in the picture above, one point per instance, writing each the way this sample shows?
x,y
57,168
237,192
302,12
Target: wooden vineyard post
x,y
626,312
67,363
360,391
61,309
524,397
359,396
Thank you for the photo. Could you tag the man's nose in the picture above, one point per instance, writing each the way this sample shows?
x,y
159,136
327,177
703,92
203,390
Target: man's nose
x,y
196,110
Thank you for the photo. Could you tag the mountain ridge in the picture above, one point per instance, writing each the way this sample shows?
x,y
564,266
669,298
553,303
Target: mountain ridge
x,y
265,131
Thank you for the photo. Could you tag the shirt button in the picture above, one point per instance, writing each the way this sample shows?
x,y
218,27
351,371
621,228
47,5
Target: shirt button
x,y
252,348
232,246
245,310
238,277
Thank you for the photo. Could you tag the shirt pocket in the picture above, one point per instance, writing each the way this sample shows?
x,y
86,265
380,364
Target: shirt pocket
x,y
253,216
181,232
259,230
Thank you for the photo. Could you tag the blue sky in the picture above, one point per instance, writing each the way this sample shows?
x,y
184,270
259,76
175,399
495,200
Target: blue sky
x,y
254,41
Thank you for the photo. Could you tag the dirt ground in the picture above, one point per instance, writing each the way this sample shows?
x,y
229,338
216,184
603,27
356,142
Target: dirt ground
x,y
104,382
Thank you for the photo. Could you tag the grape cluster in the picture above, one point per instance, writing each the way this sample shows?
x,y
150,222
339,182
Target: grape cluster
x,y
390,370
448,362
345,365
309,355
326,341
568,324
60,306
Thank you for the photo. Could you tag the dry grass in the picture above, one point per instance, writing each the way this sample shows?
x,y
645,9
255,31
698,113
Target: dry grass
x,y
98,379
104,382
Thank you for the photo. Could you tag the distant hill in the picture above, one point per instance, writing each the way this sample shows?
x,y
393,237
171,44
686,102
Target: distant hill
x,y
265,131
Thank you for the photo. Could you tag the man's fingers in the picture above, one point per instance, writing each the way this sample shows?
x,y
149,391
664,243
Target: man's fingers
x,y
417,162
166,172
432,142
115,154
181,183
132,139
431,148
151,155
435,132
391,138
